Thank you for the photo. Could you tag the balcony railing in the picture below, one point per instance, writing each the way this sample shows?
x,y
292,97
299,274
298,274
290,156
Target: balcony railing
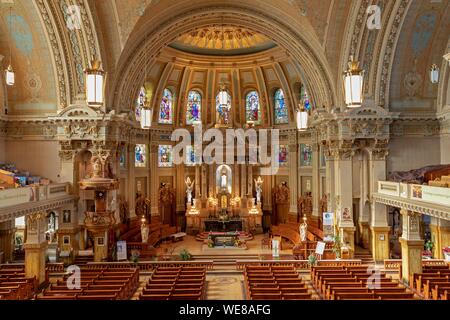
x,y
416,192
18,196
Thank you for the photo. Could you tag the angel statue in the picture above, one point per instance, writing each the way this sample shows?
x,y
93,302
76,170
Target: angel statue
x,y
258,187
189,189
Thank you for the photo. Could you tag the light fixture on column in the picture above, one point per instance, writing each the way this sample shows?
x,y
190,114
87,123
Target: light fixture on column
x,y
434,73
302,118
353,84
95,80
9,72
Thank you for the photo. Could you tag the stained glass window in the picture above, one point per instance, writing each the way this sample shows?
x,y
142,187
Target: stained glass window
x,y
165,109
191,159
140,155
304,98
305,155
281,112
164,156
282,155
223,108
194,106
252,109
140,103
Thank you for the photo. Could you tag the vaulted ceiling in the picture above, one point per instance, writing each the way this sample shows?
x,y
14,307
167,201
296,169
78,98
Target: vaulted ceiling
x,y
49,57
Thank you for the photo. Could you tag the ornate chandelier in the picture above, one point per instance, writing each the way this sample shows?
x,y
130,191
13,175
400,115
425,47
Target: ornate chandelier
x,y
9,72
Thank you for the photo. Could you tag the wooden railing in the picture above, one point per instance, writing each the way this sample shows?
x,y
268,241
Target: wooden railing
x,y
150,265
396,264
55,267
298,264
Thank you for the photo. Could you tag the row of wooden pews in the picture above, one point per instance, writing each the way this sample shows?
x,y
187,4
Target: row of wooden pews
x,y
274,283
175,283
356,283
104,284
433,283
14,285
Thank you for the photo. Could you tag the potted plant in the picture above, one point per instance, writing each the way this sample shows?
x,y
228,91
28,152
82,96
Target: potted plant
x,y
428,252
210,243
185,255
135,256
312,260
337,246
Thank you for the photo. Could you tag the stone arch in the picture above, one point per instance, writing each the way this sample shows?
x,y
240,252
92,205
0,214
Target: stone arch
x,y
308,54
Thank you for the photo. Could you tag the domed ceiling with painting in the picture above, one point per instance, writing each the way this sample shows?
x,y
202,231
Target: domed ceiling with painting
x,y
222,40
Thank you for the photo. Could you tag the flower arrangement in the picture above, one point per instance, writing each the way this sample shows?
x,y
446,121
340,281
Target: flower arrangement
x,y
210,243
185,255
446,251
429,245
135,254
337,246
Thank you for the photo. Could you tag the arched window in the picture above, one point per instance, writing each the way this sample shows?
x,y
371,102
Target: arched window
x,y
281,112
252,109
194,106
165,108
304,98
140,103
223,107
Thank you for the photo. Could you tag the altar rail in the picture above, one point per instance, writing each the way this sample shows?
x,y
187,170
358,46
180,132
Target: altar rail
x,y
396,264
150,265
57,267
298,264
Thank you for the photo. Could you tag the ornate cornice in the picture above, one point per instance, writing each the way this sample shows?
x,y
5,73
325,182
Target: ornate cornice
x,y
438,211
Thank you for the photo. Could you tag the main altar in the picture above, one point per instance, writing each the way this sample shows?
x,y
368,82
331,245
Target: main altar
x,y
223,210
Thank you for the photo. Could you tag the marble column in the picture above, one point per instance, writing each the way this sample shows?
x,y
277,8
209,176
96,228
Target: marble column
x,y
36,246
412,244
131,192
154,179
236,180
293,160
330,187
316,182
180,188
204,191
440,236
7,234
243,181
344,198
212,180
379,225
197,182
250,181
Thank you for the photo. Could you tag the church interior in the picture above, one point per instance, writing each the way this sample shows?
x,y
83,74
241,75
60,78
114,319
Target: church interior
x,y
315,163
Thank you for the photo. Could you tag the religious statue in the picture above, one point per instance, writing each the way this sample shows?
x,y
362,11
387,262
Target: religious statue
x,y
142,206
281,197
303,230
258,187
223,179
144,231
189,189
166,197
123,210
97,167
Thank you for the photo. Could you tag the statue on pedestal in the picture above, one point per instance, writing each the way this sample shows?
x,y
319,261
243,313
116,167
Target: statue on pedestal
x,y
258,187
303,230
189,189
144,231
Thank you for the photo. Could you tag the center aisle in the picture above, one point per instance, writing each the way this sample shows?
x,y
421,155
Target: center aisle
x,y
224,287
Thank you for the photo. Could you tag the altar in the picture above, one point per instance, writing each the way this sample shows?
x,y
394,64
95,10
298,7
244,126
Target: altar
x,y
217,225
223,210
225,240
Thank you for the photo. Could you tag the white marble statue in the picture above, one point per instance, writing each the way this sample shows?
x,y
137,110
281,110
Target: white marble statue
x,y
303,230
223,181
258,187
189,189
144,232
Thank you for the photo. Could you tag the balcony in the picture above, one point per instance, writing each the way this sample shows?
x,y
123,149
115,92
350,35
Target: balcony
x,y
430,200
22,201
